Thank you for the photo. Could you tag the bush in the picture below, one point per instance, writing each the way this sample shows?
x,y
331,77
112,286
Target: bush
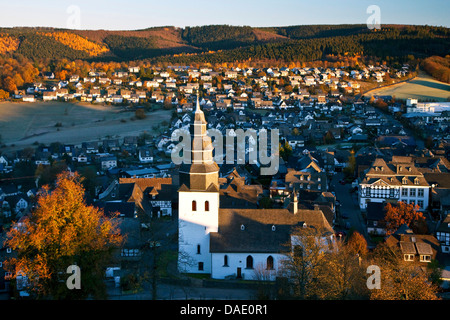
x,y
140,114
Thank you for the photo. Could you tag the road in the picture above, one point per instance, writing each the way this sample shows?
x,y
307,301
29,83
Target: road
x,y
349,207
176,292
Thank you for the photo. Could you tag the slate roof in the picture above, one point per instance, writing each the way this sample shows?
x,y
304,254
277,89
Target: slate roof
x,y
257,235
399,171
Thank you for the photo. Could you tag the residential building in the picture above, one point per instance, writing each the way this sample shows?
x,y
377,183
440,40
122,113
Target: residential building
x,y
396,180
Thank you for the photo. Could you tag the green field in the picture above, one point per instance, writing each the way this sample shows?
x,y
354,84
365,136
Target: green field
x,y
22,124
423,87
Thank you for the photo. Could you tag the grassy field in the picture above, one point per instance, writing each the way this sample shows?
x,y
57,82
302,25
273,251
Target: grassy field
x,y
22,124
423,87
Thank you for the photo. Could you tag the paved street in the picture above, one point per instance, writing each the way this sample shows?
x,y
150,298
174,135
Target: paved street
x,y
176,292
349,206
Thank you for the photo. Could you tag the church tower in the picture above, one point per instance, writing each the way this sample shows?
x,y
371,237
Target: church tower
x,y
198,200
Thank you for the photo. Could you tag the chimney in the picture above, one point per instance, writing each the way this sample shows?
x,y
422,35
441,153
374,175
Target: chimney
x,y
316,206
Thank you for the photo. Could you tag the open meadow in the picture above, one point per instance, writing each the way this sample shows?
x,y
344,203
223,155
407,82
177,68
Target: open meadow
x,y
423,87
22,124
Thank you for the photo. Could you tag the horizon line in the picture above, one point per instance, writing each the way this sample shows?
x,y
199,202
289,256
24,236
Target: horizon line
x,y
223,24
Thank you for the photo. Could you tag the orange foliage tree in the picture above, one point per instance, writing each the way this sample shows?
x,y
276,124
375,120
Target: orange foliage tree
x,y
63,231
403,213
357,244
4,94
400,279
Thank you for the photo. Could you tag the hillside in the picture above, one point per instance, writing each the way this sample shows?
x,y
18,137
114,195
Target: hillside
x,y
224,43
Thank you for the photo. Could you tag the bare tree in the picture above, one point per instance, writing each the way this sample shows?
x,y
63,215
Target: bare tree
x,y
305,258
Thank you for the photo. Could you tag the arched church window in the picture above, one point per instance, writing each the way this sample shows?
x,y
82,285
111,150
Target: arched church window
x,y
194,205
249,262
206,205
269,263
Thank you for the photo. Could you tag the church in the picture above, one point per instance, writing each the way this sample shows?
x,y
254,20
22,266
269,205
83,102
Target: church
x,y
232,241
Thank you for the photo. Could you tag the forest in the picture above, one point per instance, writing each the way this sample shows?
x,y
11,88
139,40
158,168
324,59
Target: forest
x,y
24,52
221,43
438,67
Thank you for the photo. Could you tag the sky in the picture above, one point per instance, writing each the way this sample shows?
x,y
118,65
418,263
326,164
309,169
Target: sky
x,y
140,14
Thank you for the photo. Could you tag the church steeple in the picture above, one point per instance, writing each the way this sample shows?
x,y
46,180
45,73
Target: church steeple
x,y
203,171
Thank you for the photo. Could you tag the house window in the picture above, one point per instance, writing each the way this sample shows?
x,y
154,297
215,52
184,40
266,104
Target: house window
x,y
206,205
412,192
420,192
225,261
269,263
198,249
420,203
425,258
200,266
404,192
409,257
194,205
249,261
404,181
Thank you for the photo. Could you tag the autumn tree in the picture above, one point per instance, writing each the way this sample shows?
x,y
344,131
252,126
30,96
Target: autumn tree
x,y
305,259
9,84
285,150
63,231
342,275
140,114
403,213
357,244
4,94
349,170
400,279
47,174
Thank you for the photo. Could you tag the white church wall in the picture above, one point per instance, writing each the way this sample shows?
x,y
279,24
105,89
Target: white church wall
x,y
194,229
235,261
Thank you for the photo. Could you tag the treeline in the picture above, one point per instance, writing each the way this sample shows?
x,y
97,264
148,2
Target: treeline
x,y
438,67
129,48
318,31
391,44
237,43
219,37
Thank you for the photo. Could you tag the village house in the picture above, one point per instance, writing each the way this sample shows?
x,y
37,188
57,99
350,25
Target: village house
x,y
397,180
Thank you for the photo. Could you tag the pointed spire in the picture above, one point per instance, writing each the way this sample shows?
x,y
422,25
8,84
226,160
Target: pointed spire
x,y
197,108
198,114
